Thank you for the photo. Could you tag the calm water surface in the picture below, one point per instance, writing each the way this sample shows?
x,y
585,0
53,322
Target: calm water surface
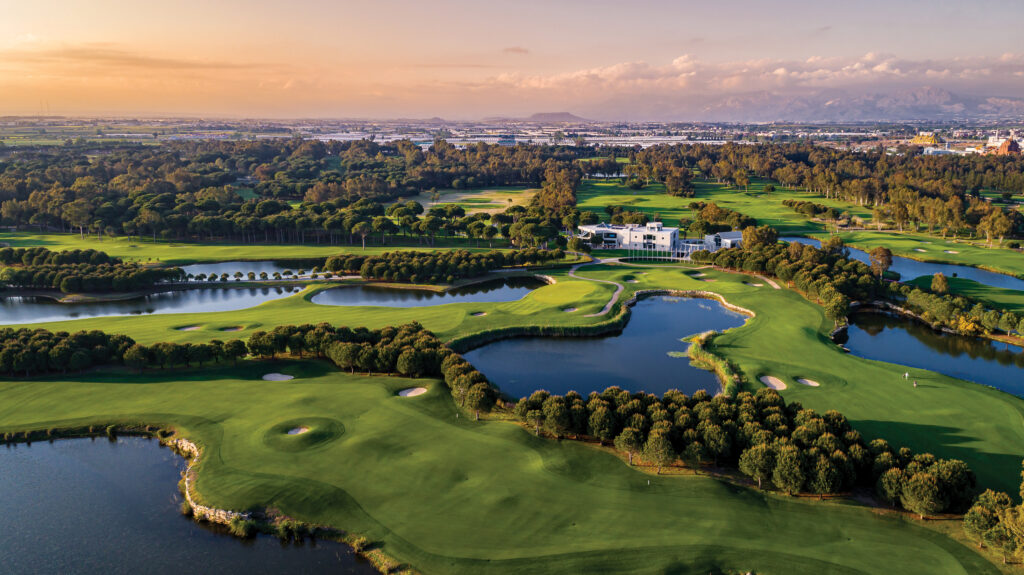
x,y
28,309
230,268
95,507
906,342
502,290
637,359
910,269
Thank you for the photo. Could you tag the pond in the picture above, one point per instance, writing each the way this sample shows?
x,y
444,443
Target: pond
x,y
492,291
910,269
636,360
32,309
230,268
96,506
906,342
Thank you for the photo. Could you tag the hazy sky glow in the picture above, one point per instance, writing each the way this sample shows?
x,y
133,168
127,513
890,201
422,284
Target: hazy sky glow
x,y
461,60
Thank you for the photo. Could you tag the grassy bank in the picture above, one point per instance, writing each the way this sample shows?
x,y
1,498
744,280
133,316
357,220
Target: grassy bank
x,y
432,489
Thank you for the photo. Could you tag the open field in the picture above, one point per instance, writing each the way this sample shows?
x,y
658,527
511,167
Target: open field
x,y
483,200
449,495
787,339
181,253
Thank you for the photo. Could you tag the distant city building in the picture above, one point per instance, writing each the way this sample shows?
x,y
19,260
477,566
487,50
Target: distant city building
x,y
507,140
1009,147
926,139
655,240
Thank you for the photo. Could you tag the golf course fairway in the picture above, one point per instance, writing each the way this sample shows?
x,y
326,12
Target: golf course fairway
x,y
445,494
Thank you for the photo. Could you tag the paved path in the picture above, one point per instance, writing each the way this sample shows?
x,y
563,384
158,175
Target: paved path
x,y
618,287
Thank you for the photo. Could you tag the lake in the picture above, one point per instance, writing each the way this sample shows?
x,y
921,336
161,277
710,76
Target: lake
x,y
906,342
97,507
270,267
32,309
637,359
492,291
910,269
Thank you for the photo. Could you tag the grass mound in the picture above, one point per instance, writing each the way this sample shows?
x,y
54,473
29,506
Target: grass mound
x,y
319,432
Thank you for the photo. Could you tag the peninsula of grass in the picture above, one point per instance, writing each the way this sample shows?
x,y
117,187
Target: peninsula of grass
x,y
787,338
993,297
430,488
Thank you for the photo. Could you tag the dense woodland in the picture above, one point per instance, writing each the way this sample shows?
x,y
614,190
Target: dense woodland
x,y
436,267
73,271
240,190
796,449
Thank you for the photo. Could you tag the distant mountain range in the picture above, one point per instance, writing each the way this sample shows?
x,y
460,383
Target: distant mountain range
x,y
543,118
925,103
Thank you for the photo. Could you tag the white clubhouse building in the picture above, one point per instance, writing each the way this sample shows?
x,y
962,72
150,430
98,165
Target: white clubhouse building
x,y
654,240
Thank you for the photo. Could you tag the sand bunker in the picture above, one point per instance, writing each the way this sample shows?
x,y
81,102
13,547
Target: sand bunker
x,y
277,377
631,281
479,314
569,309
918,250
412,392
298,430
753,284
189,328
233,328
951,251
773,382
809,382
698,275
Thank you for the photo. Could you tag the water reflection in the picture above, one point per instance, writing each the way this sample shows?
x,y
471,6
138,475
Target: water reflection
x,y
500,290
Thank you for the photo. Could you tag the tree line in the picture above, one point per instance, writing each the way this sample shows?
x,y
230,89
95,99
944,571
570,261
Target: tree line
x,y
78,271
436,267
797,450
996,522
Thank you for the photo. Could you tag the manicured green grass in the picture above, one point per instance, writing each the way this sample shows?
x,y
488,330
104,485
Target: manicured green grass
x,y
449,495
179,253
490,200
787,339
935,249
998,298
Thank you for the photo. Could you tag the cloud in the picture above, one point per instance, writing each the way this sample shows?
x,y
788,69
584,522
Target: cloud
x,y
105,55
516,50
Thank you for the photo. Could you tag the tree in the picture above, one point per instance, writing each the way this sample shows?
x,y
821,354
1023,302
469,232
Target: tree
x,y
825,477
658,450
629,441
480,397
362,229
940,284
922,494
789,474
601,424
758,462
984,514
890,485
881,260
535,417
137,356
235,349
1000,539
556,415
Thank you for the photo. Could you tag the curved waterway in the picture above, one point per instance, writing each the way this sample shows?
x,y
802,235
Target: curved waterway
x,y
32,309
910,269
493,291
98,507
906,342
636,360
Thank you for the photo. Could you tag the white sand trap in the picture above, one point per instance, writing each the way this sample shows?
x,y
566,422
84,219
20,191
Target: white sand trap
x,y
951,251
698,275
235,328
918,250
569,309
277,377
809,382
631,281
189,328
753,284
773,382
298,430
412,392
479,314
